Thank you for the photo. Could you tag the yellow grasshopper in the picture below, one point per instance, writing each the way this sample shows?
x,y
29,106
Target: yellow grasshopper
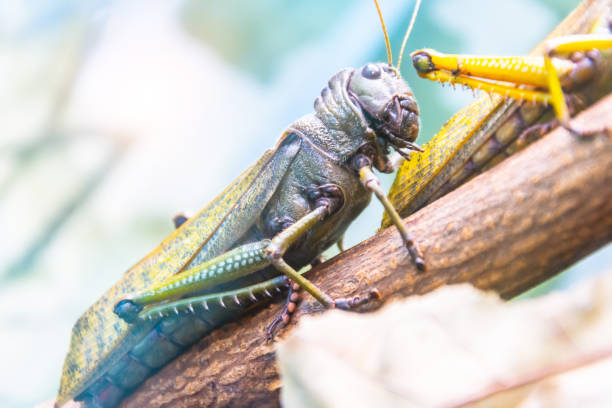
x,y
573,61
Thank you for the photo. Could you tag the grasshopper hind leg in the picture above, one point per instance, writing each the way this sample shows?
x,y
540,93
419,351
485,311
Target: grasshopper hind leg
x,y
179,292
127,310
577,47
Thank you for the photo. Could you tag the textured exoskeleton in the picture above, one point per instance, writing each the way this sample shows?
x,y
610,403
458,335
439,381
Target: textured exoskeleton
x,y
278,216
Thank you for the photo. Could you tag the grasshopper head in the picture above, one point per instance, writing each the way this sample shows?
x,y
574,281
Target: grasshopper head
x,y
388,103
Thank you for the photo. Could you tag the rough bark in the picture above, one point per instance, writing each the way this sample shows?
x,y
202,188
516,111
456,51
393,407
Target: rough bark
x,y
507,230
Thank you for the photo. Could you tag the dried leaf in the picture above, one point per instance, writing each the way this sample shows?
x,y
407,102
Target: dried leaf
x,y
456,346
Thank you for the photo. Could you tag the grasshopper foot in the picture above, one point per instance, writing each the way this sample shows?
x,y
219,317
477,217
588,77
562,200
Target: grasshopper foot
x,y
585,133
416,256
350,303
533,133
293,299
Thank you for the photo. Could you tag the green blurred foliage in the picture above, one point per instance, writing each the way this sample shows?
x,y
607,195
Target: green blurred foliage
x,y
257,36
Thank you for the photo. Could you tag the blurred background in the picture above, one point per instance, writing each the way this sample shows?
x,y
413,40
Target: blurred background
x,y
117,115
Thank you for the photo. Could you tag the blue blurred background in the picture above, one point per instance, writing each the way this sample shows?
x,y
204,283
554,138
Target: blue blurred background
x,y
116,115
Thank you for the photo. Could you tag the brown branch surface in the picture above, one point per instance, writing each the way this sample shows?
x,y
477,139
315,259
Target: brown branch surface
x,y
507,230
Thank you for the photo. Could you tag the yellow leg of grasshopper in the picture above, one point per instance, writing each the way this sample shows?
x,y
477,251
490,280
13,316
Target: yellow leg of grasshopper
x,y
509,91
580,42
503,75
567,45
556,92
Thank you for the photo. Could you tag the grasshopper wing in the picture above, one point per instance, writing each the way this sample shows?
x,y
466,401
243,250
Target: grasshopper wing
x,y
99,338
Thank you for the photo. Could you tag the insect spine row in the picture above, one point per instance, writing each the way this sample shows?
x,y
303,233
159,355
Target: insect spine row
x,y
201,303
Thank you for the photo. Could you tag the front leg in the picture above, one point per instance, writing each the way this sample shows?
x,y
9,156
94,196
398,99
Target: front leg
x,y
364,166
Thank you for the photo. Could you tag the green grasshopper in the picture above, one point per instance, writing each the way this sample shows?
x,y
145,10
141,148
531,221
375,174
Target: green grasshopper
x,y
278,216
251,240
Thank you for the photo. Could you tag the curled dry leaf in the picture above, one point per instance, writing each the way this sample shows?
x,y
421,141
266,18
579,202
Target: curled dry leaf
x,y
456,347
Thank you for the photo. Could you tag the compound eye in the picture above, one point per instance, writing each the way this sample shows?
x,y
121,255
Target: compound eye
x,y
371,71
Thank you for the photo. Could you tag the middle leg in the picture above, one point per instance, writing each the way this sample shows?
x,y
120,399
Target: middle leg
x,y
327,202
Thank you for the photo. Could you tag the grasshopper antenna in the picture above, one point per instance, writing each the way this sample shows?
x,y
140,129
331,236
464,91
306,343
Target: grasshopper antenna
x,y
408,31
384,28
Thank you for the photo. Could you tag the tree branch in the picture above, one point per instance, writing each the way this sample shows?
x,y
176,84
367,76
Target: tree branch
x,y
507,230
